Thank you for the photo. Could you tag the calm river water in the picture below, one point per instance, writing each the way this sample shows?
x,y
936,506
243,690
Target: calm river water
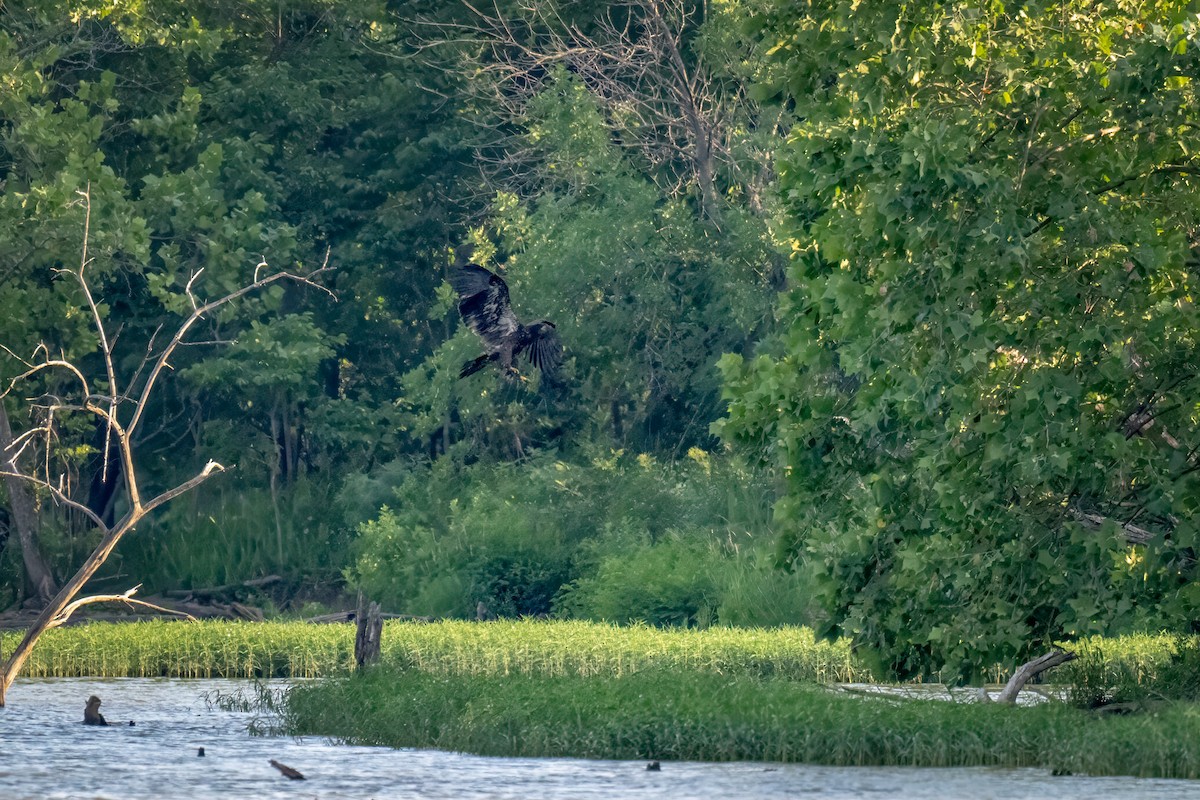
x,y
45,752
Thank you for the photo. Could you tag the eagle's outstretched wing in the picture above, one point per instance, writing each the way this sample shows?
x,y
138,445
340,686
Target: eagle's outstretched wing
x,y
483,303
545,348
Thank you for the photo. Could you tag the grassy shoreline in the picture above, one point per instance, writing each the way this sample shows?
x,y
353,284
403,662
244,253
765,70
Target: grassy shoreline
x,y
711,717
581,689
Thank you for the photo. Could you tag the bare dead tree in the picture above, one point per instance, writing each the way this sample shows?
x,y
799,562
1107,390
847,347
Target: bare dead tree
x,y
27,457
669,104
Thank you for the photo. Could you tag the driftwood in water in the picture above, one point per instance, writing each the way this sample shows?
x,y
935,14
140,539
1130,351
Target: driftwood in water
x,y
369,632
1030,670
287,771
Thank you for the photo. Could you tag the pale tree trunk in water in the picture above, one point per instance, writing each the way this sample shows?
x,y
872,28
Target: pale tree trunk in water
x,y
25,520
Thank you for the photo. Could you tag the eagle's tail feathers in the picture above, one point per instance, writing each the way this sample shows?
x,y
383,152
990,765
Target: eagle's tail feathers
x,y
473,366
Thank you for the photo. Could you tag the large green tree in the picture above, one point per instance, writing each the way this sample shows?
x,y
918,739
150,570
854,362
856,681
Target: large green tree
x,y
983,399
211,137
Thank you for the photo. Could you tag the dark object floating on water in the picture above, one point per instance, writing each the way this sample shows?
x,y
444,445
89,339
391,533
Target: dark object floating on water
x,y
91,712
287,771
654,766
200,753
132,723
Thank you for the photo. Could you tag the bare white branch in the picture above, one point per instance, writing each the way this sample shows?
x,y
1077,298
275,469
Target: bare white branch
x,y
125,597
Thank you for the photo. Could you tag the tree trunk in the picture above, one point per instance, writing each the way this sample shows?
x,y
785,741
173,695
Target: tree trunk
x,y
368,632
274,483
12,667
25,520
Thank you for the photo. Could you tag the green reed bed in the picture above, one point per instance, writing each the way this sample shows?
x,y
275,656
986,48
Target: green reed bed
x,y
705,716
586,648
207,649
299,650
1133,668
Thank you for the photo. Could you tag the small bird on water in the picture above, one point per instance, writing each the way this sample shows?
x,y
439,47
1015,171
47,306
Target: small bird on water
x,y
91,712
287,771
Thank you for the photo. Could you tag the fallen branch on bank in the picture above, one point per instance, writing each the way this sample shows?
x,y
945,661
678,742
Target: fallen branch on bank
x,y
1030,670
222,591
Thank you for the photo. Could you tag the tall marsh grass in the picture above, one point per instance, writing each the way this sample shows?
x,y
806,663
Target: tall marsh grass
x,y
211,649
586,649
1133,668
712,717
205,649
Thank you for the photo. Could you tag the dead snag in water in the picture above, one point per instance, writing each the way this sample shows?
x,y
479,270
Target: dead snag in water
x,y
91,712
368,635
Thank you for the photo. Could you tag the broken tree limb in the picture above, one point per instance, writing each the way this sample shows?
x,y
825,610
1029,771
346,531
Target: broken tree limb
x,y
126,597
1029,670
1134,534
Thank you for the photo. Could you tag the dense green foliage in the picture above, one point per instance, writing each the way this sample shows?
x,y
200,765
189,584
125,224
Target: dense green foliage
x,y
899,296
987,366
707,717
620,539
213,649
218,136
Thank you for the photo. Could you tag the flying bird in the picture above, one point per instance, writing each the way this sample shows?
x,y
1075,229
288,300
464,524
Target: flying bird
x,y
484,305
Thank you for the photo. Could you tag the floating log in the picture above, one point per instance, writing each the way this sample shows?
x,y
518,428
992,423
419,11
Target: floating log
x,y
287,771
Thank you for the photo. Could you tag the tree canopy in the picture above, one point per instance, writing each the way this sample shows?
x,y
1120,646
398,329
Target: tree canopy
x,y
984,385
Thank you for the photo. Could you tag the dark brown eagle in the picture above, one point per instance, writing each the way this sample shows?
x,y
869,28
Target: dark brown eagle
x,y
484,305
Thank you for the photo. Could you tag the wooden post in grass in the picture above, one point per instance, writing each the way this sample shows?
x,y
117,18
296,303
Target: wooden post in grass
x,y
27,457
368,632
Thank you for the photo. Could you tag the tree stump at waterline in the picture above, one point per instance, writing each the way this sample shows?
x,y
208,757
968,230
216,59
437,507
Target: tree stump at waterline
x,y
369,633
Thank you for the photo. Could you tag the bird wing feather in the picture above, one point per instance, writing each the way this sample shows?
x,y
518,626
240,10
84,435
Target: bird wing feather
x,y
484,305
546,350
